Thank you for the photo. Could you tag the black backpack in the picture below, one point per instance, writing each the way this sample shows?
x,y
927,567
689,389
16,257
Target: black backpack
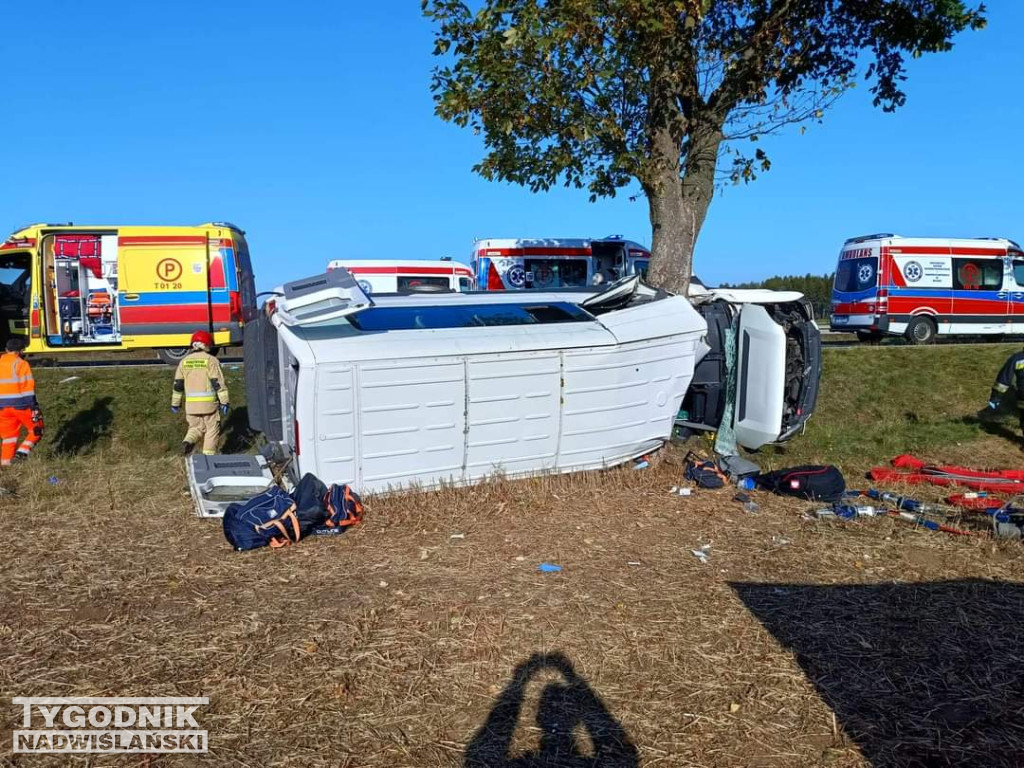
x,y
817,482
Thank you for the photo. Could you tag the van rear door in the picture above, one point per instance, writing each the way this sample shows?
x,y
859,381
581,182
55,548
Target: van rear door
x,y
760,377
330,296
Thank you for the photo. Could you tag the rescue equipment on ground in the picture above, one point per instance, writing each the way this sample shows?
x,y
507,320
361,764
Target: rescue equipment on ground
x,y
815,482
975,501
217,482
704,472
904,502
276,518
909,469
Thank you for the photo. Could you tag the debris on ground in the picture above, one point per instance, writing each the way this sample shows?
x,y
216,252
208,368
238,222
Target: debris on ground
x,y
549,568
68,379
749,505
702,553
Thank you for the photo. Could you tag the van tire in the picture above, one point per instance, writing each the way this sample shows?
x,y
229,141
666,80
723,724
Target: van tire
x,y
921,330
172,355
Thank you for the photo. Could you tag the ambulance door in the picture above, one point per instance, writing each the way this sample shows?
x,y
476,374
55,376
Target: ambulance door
x,y
164,288
1015,286
981,295
15,293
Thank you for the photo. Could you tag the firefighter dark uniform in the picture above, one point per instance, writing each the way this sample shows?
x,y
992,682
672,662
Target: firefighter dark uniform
x,y
1010,375
199,382
18,407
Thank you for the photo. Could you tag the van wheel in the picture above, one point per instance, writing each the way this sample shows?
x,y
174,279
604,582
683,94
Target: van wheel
x,y
172,355
921,331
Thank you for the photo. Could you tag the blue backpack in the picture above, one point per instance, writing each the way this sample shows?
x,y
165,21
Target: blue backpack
x,y
275,518
271,518
344,508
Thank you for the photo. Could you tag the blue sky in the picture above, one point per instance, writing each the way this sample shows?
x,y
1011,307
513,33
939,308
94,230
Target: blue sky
x,y
311,125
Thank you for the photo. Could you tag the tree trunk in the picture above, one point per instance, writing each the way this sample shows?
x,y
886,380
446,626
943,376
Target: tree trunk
x,y
678,205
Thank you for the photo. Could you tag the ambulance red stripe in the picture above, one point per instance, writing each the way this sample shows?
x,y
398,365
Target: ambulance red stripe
x,y
534,252
161,240
409,270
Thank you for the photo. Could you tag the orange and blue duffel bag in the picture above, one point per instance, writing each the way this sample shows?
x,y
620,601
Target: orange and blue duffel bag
x,y
344,509
275,518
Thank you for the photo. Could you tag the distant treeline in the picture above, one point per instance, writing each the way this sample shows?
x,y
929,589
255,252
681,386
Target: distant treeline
x,y
817,288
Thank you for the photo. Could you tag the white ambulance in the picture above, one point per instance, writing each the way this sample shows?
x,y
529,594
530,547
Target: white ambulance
x,y
923,287
407,275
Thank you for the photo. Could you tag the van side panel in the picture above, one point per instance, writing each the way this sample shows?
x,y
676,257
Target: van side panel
x,y
335,436
411,421
622,402
513,409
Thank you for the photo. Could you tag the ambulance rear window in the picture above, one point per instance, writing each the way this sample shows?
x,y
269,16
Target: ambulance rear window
x,y
472,316
856,274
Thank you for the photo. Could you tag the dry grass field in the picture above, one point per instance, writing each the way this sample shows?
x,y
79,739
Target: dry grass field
x,y
427,637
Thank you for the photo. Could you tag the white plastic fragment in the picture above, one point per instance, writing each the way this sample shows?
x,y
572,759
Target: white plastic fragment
x,y
702,553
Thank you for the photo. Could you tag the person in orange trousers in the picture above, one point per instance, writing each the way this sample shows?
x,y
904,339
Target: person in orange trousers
x,y
19,409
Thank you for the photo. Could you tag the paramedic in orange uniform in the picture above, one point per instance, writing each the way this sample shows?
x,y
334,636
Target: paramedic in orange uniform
x,y
200,383
18,407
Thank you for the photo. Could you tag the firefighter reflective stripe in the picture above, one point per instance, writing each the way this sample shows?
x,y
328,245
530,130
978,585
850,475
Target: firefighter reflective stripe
x,y
199,382
1000,388
17,385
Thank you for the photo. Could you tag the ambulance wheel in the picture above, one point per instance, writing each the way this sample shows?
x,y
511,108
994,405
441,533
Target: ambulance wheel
x,y
172,355
921,330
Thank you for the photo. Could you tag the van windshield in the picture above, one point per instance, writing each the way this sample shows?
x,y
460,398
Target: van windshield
x,y
856,274
471,316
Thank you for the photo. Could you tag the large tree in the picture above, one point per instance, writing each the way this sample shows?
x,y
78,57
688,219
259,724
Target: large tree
x,y
668,95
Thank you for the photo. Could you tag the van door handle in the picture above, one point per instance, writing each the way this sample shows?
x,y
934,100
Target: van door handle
x,y
131,297
1002,295
1018,295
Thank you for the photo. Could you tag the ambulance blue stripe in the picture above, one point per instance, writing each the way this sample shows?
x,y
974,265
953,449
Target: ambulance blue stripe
x,y
174,298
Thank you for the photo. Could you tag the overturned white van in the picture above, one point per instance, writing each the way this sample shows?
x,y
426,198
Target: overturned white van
x,y
451,388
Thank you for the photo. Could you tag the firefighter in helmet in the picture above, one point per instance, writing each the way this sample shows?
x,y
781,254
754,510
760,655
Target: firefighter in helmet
x,y
199,382
1011,374
18,407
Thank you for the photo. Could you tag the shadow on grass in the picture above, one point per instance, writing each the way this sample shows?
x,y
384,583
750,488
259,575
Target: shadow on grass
x,y
81,432
568,709
993,425
918,674
237,436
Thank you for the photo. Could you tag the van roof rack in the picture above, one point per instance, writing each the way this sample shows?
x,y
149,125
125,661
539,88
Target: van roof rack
x,y
876,236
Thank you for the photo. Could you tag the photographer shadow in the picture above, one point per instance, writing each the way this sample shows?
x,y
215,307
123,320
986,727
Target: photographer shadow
x,y
567,709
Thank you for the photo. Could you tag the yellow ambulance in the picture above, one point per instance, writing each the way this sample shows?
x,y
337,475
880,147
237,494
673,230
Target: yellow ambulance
x,y
71,288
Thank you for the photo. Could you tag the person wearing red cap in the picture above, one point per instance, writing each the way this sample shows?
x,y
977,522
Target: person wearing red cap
x,y
199,382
